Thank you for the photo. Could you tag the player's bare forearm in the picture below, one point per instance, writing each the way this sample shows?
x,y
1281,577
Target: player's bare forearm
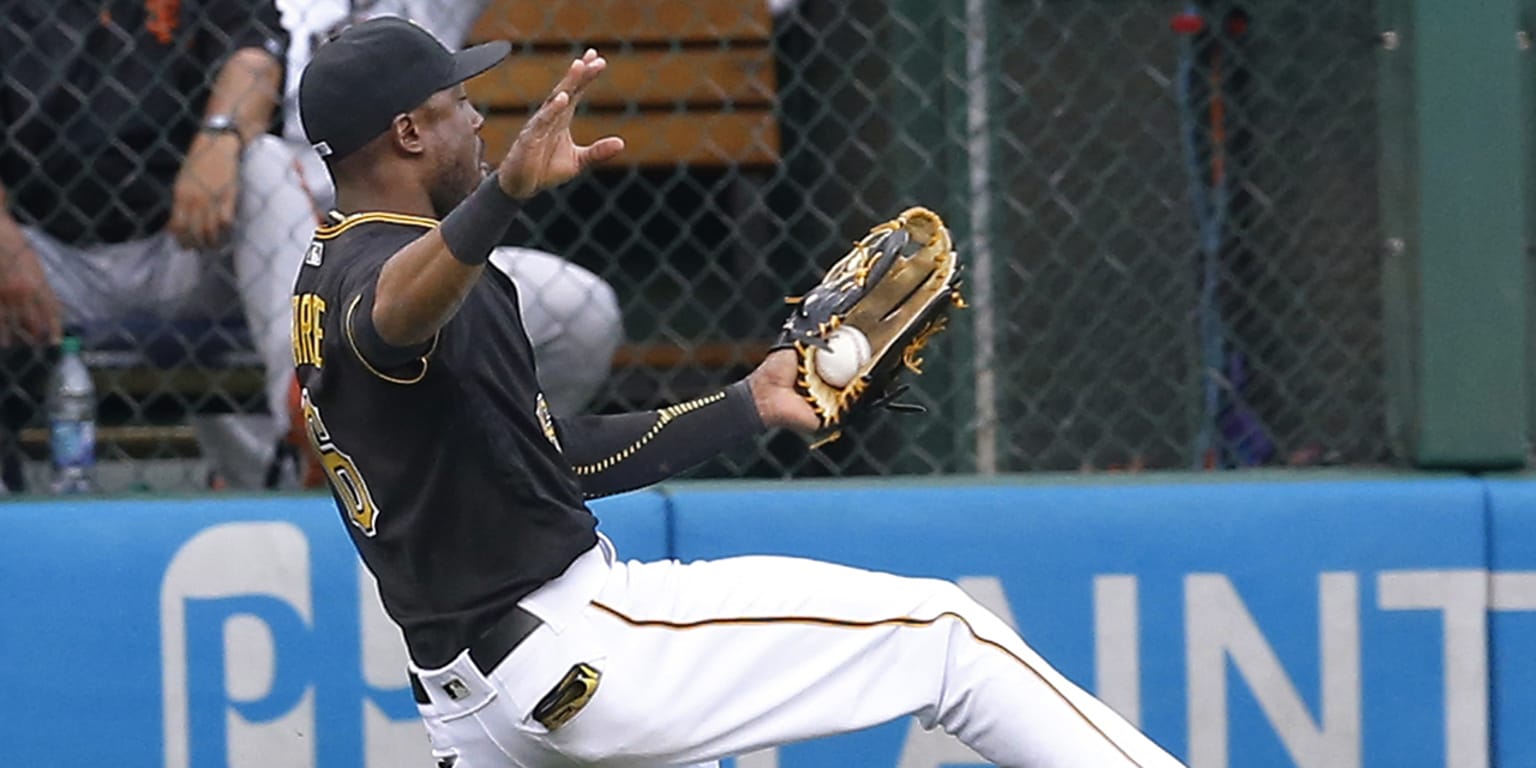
x,y
247,89
419,290
422,285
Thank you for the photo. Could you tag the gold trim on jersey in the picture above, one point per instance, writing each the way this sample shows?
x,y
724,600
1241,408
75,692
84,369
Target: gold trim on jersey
x,y
352,342
663,418
900,621
330,231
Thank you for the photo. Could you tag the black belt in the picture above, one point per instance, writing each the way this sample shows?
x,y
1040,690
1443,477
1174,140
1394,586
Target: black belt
x,y
490,648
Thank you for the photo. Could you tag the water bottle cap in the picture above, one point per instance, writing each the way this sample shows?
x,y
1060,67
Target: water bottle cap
x,y
70,344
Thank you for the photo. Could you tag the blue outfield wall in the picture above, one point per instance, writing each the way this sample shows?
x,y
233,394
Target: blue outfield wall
x,y
1324,621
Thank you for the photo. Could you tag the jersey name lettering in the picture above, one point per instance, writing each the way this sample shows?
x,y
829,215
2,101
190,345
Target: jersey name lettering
x,y
308,332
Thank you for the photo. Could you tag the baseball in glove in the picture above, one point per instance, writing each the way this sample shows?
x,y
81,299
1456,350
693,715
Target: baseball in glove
x,y
870,317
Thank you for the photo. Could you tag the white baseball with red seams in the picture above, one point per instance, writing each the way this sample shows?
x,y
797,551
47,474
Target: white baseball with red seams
x,y
847,350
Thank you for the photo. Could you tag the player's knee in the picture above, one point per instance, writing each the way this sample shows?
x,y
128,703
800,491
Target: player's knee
x,y
594,318
264,161
593,294
572,296
607,322
266,147
605,300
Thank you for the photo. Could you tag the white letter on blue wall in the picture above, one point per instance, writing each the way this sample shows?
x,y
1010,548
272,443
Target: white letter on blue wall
x,y
1462,597
233,599
1218,626
1117,645
391,728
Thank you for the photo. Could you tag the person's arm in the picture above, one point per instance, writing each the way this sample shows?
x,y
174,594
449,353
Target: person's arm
x,y
29,310
242,47
246,90
622,452
422,285
245,93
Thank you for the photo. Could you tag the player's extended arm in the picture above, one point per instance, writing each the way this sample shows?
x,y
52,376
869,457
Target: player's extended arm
x,y
622,452
421,286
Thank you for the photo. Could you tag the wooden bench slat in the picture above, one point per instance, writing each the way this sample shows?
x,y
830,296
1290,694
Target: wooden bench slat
x,y
634,21
738,75
123,442
237,381
747,137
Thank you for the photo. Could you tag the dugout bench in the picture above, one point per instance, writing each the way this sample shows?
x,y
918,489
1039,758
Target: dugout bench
x,y
690,84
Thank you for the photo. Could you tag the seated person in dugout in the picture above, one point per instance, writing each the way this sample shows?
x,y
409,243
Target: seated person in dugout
x,y
142,176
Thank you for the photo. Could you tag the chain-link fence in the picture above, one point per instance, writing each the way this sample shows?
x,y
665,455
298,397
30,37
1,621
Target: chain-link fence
x,y
1187,224
1168,214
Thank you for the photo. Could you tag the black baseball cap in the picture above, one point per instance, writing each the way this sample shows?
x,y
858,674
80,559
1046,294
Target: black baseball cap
x,y
358,82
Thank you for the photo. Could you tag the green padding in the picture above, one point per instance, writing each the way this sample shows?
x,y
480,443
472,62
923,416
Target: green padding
x,y
1454,288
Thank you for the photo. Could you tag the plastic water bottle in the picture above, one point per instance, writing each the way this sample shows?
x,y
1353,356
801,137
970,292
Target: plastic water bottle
x,y
72,421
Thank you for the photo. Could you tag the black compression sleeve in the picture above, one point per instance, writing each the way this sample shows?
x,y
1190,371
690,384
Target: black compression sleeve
x,y
477,225
622,452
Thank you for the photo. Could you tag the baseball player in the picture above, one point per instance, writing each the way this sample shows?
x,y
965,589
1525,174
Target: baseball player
x,y
571,315
531,643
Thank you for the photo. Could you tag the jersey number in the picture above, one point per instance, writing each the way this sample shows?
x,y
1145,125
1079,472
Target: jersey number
x,y
348,483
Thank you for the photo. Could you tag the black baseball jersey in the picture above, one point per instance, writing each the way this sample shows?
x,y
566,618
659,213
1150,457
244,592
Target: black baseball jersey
x,y
446,468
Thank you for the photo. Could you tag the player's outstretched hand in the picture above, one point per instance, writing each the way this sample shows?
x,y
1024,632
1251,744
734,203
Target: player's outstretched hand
x,y
778,403
544,154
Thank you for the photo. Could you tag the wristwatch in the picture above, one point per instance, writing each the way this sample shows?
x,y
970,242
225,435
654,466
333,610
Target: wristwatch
x,y
220,124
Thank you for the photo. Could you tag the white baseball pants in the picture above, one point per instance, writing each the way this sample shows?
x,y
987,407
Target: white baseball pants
x,y
706,660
